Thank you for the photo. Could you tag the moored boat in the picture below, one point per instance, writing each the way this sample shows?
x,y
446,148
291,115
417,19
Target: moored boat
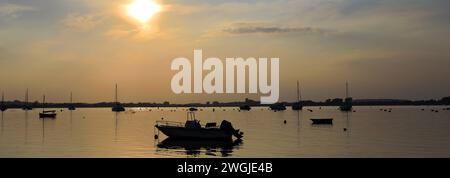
x,y
347,105
117,107
245,107
323,121
2,104
26,105
192,129
278,107
71,106
46,114
298,105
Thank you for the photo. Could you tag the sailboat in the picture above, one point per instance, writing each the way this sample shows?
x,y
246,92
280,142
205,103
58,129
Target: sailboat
x,y
2,105
26,105
71,107
347,105
298,105
117,106
46,114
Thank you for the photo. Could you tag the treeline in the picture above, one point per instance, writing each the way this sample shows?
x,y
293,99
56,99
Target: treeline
x,y
328,102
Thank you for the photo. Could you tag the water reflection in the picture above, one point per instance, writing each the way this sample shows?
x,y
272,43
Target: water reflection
x,y
1,132
26,126
195,147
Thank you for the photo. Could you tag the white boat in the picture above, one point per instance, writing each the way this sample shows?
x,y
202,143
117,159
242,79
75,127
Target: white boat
x,y
192,129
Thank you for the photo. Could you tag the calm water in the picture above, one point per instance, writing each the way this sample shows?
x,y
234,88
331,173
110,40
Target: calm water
x,y
404,132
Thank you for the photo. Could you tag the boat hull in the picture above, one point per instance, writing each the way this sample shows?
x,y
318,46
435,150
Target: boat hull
x,y
322,121
45,115
345,108
194,133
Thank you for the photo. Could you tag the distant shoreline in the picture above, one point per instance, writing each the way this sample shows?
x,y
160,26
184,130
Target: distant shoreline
x,y
329,102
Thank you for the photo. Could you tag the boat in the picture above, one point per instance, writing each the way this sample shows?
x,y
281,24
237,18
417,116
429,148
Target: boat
x,y
117,107
26,105
277,107
298,105
71,106
347,105
192,129
193,109
323,121
2,105
245,107
46,114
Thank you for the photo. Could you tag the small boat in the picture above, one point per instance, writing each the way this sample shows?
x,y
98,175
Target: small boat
x,y
347,105
26,106
297,106
278,107
193,109
46,114
245,107
71,106
2,105
117,107
192,129
323,121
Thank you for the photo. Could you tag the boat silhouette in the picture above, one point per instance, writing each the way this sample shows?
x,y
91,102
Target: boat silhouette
x,y
2,104
46,114
192,129
277,107
298,105
322,121
26,105
245,107
347,104
71,106
117,107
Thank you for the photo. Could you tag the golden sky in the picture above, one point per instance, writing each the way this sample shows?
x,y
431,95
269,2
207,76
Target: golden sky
x,y
384,48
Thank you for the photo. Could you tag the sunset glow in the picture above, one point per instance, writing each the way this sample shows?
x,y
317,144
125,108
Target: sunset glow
x,y
143,10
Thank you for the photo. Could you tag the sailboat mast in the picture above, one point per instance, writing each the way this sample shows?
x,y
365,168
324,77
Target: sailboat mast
x,y
346,89
3,97
70,97
26,97
298,91
43,103
116,94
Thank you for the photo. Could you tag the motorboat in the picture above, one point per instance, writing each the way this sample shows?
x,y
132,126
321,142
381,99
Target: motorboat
x,y
192,129
322,121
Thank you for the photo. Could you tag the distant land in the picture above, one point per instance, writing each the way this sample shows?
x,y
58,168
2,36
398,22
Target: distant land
x,y
328,102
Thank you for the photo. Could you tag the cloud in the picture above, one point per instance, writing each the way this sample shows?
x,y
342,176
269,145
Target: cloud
x,y
261,28
13,10
82,22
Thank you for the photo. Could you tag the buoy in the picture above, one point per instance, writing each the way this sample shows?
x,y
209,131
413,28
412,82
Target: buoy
x,y
285,121
162,118
156,136
345,129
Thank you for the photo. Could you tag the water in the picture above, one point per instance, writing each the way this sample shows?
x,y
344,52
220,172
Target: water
x,y
98,132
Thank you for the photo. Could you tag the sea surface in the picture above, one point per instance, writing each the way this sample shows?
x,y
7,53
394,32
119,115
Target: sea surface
x,y
406,131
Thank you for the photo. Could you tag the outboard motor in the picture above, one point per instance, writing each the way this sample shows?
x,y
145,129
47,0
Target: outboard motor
x,y
228,127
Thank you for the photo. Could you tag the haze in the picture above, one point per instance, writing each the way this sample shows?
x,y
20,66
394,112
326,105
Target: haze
x,y
384,49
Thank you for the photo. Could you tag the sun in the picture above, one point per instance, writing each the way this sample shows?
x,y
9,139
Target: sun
x,y
143,10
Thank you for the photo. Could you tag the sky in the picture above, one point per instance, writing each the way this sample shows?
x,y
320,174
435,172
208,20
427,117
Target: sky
x,y
383,48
